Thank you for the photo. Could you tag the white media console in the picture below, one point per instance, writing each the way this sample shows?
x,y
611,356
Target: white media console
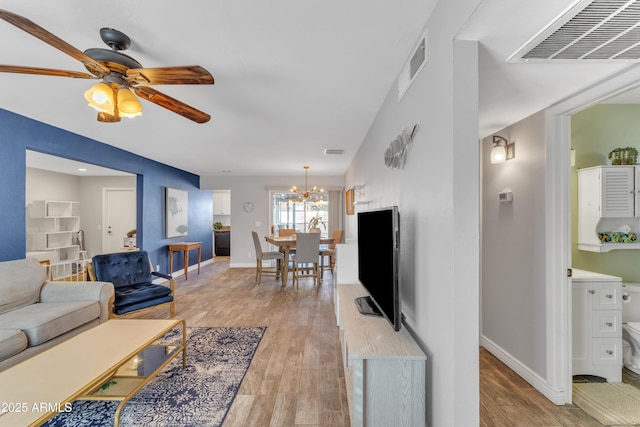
x,y
384,369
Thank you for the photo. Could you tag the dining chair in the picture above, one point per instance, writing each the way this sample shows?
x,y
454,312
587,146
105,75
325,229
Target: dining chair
x,y
266,256
330,251
306,258
284,232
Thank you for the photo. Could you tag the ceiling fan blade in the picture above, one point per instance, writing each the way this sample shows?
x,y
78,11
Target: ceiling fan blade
x,y
172,104
45,72
44,35
185,75
108,118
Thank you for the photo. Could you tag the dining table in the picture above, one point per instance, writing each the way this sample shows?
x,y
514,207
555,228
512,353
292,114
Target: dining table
x,y
286,243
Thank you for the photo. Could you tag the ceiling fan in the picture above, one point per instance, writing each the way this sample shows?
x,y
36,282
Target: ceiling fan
x,y
119,73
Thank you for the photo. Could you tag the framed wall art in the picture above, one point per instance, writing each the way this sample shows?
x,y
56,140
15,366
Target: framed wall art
x,y
177,215
349,201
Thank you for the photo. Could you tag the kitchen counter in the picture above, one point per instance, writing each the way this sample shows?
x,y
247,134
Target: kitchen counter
x,y
590,276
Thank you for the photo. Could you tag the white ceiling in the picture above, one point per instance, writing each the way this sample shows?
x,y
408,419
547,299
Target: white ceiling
x,y
292,78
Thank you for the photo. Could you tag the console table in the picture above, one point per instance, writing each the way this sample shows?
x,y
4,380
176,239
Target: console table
x,y
184,247
384,369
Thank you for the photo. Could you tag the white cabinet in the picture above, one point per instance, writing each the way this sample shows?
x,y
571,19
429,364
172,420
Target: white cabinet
x,y
222,203
597,325
53,226
384,369
608,199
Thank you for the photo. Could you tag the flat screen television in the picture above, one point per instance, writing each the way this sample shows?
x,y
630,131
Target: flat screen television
x,y
379,264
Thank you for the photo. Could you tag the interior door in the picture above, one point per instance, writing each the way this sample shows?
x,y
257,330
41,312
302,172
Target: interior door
x,y
118,218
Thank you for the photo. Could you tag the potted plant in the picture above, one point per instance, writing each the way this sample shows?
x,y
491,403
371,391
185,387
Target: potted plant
x,y
314,223
217,225
624,156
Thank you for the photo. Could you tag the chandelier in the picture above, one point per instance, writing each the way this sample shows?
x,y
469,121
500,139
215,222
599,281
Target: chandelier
x,y
315,194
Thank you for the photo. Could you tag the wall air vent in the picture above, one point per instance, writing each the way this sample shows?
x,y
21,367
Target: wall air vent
x,y
411,69
333,151
594,30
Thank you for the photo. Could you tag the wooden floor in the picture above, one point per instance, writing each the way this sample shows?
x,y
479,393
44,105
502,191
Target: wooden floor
x,y
296,376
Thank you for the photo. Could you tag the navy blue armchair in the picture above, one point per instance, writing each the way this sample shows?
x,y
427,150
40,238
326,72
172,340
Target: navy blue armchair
x,y
132,276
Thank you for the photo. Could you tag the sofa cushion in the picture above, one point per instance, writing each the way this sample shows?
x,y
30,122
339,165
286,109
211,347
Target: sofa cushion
x,y
140,293
44,321
20,282
123,268
12,341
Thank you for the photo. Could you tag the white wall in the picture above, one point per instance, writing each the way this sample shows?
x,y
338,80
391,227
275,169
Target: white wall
x,y
46,185
91,206
438,198
255,189
513,249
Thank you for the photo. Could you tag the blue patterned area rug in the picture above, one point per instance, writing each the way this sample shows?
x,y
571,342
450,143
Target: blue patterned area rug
x,y
199,395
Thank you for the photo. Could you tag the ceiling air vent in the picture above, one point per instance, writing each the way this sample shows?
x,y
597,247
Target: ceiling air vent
x,y
333,151
411,69
594,30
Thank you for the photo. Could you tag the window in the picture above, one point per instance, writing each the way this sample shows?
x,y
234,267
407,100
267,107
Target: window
x,y
288,211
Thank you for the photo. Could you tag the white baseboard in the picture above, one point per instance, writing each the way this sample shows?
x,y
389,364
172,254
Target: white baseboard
x,y
191,268
554,394
242,265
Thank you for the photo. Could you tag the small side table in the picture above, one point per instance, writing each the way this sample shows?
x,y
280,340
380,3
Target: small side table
x,y
184,247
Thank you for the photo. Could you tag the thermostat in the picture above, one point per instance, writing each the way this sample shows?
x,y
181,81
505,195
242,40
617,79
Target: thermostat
x,y
505,196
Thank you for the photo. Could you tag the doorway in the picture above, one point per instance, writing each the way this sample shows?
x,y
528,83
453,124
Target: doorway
x,y
559,222
119,218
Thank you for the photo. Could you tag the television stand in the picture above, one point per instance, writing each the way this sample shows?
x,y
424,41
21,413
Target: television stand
x,y
384,370
367,307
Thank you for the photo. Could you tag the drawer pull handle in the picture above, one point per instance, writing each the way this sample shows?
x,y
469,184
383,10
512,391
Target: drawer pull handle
x,y
609,324
609,296
591,291
609,352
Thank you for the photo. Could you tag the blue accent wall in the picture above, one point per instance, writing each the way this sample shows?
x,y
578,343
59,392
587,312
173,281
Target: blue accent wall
x,y
18,133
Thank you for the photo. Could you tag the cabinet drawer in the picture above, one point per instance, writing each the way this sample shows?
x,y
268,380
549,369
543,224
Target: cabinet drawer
x,y
607,323
608,298
607,351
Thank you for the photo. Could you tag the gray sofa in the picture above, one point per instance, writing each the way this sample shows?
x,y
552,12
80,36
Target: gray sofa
x,y
36,314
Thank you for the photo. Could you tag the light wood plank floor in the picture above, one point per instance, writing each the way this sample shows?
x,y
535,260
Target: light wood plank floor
x,y
296,377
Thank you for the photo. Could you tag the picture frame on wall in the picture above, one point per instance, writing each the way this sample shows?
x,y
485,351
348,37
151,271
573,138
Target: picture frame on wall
x,y
349,201
177,212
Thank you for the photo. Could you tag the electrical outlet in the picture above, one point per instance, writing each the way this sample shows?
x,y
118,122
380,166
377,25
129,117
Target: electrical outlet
x,y
158,267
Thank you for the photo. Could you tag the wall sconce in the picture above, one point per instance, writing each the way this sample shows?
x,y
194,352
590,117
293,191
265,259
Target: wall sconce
x,y
502,150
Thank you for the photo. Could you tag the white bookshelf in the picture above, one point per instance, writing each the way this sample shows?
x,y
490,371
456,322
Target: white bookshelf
x,y
52,227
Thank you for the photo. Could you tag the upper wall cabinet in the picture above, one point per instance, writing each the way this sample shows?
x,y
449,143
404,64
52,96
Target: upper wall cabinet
x,y
608,208
222,203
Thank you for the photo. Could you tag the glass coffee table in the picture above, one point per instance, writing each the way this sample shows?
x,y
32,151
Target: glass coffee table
x,y
112,361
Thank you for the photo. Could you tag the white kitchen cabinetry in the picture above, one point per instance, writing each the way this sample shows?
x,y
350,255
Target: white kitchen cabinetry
x,y
53,226
222,203
608,199
597,325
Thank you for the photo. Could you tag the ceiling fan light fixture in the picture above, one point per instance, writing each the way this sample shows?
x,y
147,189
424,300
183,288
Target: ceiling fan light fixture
x,y
128,104
100,97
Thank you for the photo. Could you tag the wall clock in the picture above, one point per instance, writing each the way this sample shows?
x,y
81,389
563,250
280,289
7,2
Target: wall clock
x,y
248,206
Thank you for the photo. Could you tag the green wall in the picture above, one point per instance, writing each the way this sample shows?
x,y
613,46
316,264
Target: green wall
x,y
594,133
